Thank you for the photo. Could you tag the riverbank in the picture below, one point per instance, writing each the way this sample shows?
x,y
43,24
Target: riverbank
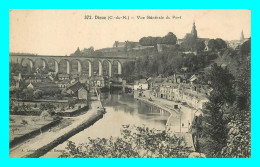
x,y
41,144
184,114
180,119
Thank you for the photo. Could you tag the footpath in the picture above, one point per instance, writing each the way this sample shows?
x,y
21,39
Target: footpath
x,y
41,144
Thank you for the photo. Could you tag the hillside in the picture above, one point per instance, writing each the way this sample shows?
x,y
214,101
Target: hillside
x,y
235,60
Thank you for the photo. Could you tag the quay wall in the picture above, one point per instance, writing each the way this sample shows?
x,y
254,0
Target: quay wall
x,y
46,148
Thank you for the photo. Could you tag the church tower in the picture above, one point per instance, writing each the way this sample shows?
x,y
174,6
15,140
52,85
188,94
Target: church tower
x,y
193,30
242,38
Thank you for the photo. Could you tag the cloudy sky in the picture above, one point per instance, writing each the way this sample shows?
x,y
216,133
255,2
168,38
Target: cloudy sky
x,y
60,32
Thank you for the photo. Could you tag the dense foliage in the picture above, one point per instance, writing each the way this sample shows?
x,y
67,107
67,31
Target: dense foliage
x,y
166,64
138,142
226,126
170,39
215,121
217,44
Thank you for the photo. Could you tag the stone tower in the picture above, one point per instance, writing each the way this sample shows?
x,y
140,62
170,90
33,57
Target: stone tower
x,y
242,38
193,30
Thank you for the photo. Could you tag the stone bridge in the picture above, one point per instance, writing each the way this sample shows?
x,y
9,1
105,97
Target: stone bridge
x,y
82,62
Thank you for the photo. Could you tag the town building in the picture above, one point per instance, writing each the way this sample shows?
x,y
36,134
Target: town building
x,y
63,76
97,81
63,84
30,86
193,79
140,84
194,34
32,78
82,94
155,82
194,95
73,89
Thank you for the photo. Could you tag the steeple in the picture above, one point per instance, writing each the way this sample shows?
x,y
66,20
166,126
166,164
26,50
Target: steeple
x,y
193,30
242,38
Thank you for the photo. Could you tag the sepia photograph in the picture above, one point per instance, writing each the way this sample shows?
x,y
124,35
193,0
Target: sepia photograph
x,y
130,83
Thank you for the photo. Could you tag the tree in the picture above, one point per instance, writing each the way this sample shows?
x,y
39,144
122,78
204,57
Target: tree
x,y
245,48
17,68
77,52
15,108
11,104
212,45
222,83
24,122
216,118
37,94
200,45
62,108
239,135
27,94
221,44
217,44
72,103
88,51
49,107
45,114
149,41
170,38
243,87
134,142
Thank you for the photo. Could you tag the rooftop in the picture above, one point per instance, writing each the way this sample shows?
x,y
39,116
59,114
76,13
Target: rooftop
x,y
75,87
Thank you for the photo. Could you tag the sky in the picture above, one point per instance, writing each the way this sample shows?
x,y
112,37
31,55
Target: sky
x,y
61,32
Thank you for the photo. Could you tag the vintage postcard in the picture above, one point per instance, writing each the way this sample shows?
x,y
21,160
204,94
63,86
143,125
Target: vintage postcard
x,y
130,83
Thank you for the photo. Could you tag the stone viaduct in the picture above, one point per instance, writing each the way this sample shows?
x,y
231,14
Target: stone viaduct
x,y
81,62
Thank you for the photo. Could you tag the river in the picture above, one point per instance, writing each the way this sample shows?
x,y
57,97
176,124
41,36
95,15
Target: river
x,y
122,109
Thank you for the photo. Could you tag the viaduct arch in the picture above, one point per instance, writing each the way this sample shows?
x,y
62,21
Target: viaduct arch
x,y
82,62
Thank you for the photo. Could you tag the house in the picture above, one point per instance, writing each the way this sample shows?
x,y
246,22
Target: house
x,y
193,79
63,76
82,94
201,103
97,81
84,79
73,89
180,78
140,84
184,69
31,78
156,91
194,95
30,86
167,90
63,83
155,82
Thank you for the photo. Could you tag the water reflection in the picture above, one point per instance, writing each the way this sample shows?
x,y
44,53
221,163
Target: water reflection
x,y
122,109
